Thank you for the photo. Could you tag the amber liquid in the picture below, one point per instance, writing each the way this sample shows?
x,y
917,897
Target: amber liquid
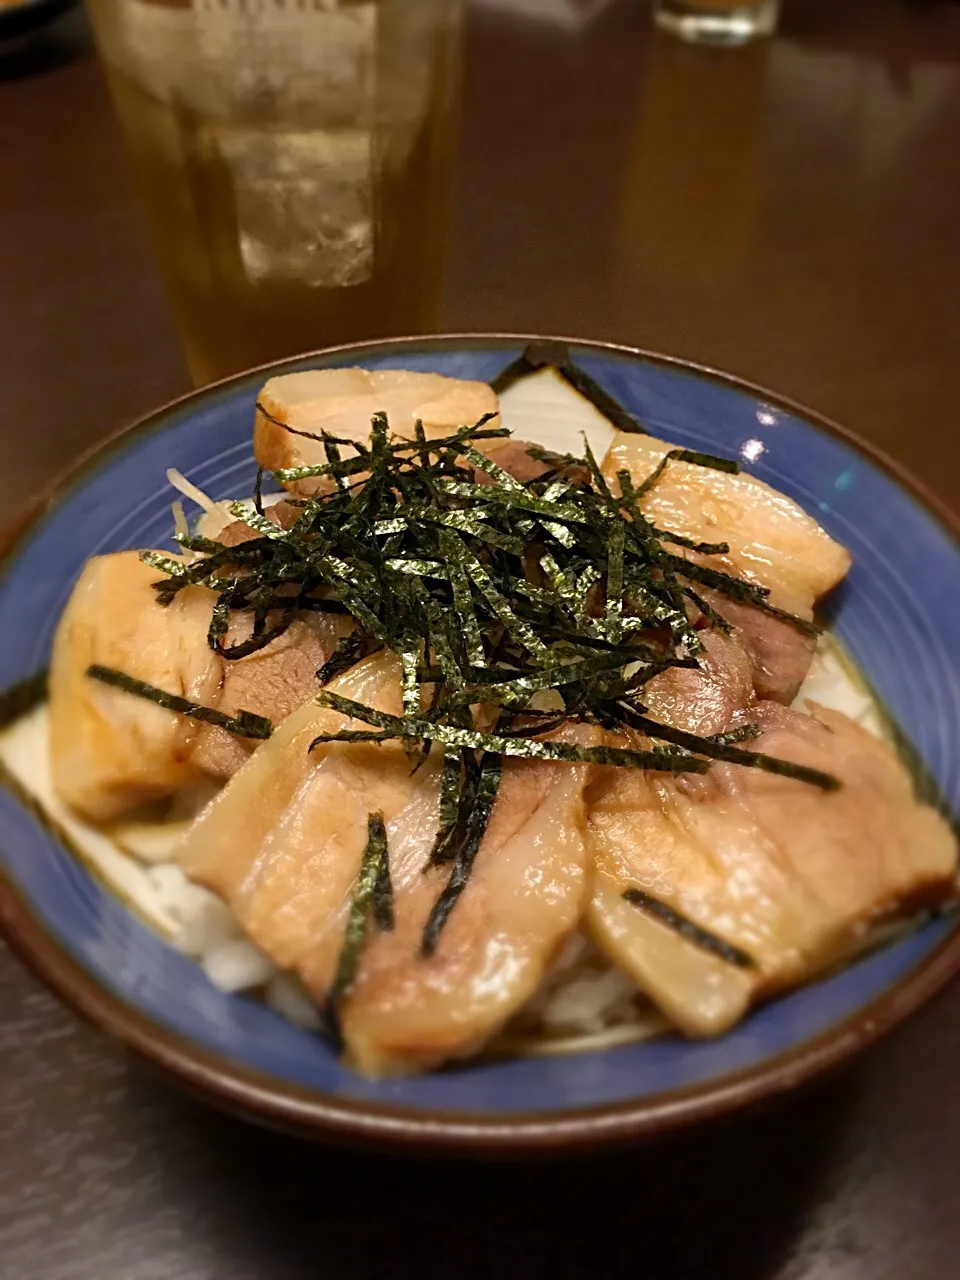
x,y
275,240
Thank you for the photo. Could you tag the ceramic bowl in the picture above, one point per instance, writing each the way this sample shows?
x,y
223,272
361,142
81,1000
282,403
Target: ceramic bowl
x,y
894,615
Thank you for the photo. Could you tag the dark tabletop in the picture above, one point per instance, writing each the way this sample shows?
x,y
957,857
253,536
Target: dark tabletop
x,y
815,248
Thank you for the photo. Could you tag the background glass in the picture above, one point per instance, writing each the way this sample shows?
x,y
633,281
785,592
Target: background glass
x,y
294,158
717,21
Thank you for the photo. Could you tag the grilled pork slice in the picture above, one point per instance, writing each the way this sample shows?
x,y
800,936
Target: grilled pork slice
x,y
523,900
272,682
780,655
341,402
773,544
110,750
704,699
778,878
283,844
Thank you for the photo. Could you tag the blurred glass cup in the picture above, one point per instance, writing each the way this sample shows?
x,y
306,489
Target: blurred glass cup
x,y
717,21
294,158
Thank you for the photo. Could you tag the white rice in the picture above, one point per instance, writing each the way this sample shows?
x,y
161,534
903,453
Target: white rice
x,y
237,965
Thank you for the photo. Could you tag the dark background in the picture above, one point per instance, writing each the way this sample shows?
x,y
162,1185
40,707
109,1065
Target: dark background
x,y
815,249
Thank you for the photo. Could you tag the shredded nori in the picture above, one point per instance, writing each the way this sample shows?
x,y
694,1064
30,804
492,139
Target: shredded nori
x,y
19,699
484,796
720,748
538,604
347,652
244,724
694,933
523,748
372,890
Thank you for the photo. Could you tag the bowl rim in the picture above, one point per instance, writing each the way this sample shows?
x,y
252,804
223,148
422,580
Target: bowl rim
x,y
320,1115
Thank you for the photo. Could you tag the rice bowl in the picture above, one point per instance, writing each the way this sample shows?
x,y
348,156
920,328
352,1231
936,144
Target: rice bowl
x,y
166,884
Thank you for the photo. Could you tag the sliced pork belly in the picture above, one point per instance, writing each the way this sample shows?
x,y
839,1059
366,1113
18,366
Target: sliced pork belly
x,y
341,402
227,848
272,682
779,653
110,750
773,543
283,844
524,898
703,699
784,877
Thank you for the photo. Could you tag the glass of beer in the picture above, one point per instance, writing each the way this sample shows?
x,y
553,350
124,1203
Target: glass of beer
x,y
294,158
717,21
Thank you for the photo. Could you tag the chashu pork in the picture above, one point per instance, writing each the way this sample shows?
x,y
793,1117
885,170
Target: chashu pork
x,y
283,844
341,402
112,751
524,898
773,544
704,699
789,876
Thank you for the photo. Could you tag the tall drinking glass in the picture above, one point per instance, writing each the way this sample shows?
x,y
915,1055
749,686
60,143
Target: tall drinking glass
x,y
294,159
717,21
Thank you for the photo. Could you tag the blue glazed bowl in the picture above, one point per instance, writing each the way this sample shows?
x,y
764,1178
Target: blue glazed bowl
x,y
895,615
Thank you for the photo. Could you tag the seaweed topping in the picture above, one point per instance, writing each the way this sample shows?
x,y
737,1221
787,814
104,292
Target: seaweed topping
x,y
244,724
694,933
512,608
372,895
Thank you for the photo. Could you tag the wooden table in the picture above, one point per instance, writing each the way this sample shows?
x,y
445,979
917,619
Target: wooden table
x,y
789,212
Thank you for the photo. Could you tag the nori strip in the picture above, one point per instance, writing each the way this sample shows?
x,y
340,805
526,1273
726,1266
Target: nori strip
x,y
614,584
263,525
514,624
730,739
565,752
488,784
383,889
408,679
721,750
372,887
244,724
259,640
524,686
737,589
346,653
463,599
694,456
451,787
716,620
694,933
285,426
